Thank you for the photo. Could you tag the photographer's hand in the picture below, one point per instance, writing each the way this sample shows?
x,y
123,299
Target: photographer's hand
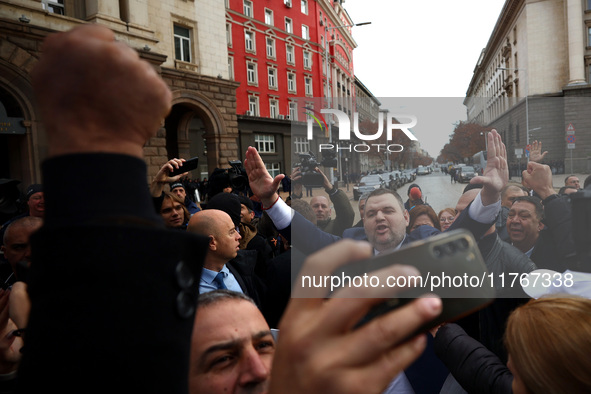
x,y
319,350
261,183
162,178
327,184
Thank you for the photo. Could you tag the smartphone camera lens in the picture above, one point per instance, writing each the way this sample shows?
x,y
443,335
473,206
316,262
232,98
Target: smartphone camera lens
x,y
437,251
450,248
462,244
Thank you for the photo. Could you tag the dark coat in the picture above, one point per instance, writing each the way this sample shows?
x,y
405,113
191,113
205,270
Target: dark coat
x,y
113,292
243,268
555,244
344,214
476,368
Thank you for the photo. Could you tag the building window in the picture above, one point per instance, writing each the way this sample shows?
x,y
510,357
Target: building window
x,y
288,25
229,34
308,85
269,17
588,5
265,143
251,73
273,168
249,41
301,145
273,108
307,60
589,36
291,82
182,43
270,48
305,7
289,54
272,78
253,105
248,8
305,32
230,67
293,110
55,7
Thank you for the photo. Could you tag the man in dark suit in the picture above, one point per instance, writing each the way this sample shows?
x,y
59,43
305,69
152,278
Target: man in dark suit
x,y
225,265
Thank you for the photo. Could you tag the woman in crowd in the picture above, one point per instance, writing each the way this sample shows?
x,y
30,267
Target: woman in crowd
x,y
548,341
421,215
446,217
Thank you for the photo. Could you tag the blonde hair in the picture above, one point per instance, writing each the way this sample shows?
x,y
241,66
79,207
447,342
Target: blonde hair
x,y
451,211
175,198
549,342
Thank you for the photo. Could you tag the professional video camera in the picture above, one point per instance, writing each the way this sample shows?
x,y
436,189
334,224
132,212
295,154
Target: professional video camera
x,y
237,175
234,176
308,163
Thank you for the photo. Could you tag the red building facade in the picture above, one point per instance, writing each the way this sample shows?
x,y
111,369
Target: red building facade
x,y
276,50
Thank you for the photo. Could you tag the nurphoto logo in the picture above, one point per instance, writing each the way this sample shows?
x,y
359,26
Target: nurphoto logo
x,y
344,134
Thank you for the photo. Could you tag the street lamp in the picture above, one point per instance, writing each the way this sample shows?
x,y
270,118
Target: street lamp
x,y
527,130
484,133
328,94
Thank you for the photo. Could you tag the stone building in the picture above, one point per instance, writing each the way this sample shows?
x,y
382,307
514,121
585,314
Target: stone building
x,y
180,38
531,81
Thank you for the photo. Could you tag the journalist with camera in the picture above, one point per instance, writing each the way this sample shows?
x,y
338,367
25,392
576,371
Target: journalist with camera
x,y
307,173
229,180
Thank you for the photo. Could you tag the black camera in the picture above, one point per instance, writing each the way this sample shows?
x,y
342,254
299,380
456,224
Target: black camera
x,y
307,164
237,175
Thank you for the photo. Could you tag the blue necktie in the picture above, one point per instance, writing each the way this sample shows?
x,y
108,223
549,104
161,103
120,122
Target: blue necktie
x,y
219,281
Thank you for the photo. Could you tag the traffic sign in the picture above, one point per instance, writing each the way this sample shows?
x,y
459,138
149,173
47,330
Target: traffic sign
x,y
570,146
570,139
570,129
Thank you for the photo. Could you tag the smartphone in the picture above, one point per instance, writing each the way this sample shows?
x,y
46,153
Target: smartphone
x,y
454,255
188,165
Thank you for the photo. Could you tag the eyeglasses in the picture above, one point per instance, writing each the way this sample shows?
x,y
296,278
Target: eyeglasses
x,y
449,219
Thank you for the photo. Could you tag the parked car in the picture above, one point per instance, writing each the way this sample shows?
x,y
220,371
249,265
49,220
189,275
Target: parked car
x,y
465,173
411,175
395,180
368,183
422,170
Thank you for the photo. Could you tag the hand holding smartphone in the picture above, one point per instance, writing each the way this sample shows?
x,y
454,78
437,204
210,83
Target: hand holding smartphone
x,y
188,165
451,268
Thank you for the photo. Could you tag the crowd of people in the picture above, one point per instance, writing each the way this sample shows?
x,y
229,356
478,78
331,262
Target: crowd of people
x,y
141,288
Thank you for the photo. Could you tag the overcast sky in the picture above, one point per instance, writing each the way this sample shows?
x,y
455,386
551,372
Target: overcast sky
x,y
422,48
